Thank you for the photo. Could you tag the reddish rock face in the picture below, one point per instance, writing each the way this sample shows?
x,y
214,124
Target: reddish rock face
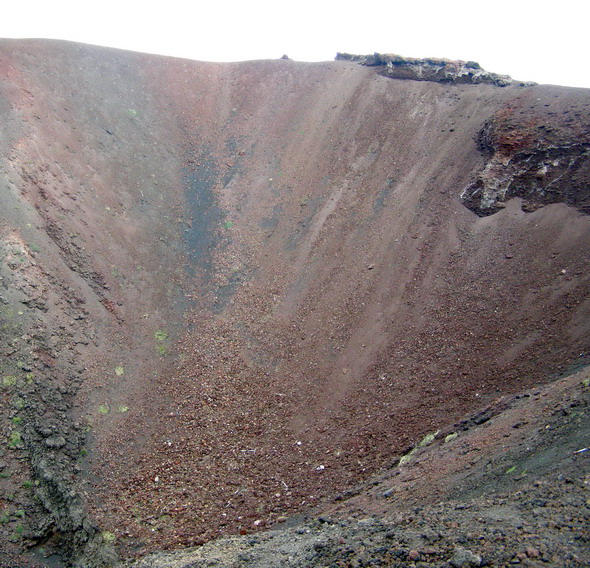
x,y
538,149
247,287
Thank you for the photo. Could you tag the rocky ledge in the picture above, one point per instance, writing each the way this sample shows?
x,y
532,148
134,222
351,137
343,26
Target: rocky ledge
x,y
430,69
536,149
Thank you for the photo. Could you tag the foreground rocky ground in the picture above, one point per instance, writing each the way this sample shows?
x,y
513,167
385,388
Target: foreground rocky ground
x,y
230,293
511,486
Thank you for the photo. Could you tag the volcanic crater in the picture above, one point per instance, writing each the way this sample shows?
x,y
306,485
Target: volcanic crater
x,y
248,296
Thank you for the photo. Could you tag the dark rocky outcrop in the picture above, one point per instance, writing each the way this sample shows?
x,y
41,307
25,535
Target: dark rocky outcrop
x,y
430,69
537,150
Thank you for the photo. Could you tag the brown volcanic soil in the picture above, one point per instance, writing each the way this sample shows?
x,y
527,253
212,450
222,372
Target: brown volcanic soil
x,y
508,486
252,286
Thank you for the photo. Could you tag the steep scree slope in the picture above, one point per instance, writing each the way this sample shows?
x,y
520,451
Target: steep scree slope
x,y
230,291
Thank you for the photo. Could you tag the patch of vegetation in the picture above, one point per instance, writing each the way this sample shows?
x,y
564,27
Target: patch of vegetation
x,y
28,484
18,533
161,335
103,409
9,381
511,469
108,537
16,420
4,517
132,113
34,247
228,224
119,371
18,403
161,349
427,440
15,440
406,458
122,408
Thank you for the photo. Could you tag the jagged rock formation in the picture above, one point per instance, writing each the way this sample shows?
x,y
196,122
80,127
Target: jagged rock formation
x,y
538,152
430,69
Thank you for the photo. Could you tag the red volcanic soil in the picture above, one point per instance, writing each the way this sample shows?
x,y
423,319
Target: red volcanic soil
x,y
246,288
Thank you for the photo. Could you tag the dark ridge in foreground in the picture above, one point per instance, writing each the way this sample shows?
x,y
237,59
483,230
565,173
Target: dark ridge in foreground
x,y
236,296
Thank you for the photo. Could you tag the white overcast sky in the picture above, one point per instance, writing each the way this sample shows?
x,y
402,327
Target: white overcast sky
x,y
540,41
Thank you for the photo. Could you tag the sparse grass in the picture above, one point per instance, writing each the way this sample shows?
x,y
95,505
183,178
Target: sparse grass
x,y
406,458
15,440
161,349
9,381
161,335
18,533
427,440
108,537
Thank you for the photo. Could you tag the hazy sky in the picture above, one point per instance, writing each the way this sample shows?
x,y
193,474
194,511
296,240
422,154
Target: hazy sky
x,y
529,40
